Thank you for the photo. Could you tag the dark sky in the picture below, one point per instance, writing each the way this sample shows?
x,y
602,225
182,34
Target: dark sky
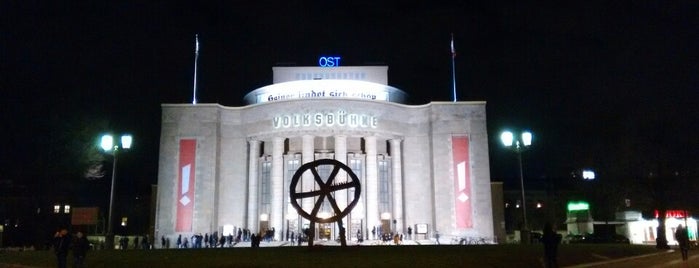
x,y
584,77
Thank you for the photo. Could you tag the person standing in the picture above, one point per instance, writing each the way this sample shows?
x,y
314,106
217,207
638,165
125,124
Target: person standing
x,y
61,244
80,247
682,240
550,239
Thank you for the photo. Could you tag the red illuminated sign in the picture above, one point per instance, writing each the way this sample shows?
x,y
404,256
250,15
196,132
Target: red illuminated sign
x,y
672,213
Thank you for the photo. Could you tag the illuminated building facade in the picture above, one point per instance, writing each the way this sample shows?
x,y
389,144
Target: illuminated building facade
x,y
421,166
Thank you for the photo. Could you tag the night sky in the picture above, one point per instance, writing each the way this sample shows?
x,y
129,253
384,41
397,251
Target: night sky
x,y
595,82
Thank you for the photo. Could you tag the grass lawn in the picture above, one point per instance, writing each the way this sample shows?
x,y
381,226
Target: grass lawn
x,y
358,256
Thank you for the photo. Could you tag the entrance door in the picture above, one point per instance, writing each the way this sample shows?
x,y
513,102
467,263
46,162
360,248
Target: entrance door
x,y
324,231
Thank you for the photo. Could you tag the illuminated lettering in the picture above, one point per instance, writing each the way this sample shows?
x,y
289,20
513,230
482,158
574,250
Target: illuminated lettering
x,y
341,119
276,122
325,119
330,119
306,120
297,120
353,120
318,119
329,61
286,121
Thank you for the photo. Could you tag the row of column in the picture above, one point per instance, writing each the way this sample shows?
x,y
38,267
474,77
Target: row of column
x,y
276,217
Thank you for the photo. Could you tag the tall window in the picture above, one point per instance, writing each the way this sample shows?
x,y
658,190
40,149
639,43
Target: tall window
x,y
265,191
356,164
292,165
384,185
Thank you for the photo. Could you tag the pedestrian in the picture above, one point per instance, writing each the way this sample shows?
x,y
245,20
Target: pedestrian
x,y
145,242
436,236
162,241
80,247
550,239
410,232
61,244
179,241
253,241
682,240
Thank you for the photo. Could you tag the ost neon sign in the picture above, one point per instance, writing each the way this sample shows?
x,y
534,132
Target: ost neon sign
x,y
329,61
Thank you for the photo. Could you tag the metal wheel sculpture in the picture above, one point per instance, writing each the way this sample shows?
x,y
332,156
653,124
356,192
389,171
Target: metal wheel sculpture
x,y
324,190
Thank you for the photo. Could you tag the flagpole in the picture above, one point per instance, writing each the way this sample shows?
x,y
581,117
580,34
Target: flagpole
x,y
453,66
196,59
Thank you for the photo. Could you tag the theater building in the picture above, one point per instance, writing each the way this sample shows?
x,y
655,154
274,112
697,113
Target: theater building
x,y
420,166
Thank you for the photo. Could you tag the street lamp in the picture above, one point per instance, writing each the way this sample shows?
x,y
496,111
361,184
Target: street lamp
x,y
518,146
108,145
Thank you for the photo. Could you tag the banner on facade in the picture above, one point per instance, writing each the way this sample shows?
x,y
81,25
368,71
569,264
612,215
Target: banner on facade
x,y
462,182
185,185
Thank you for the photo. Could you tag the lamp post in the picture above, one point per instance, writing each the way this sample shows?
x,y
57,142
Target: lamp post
x,y
518,146
108,145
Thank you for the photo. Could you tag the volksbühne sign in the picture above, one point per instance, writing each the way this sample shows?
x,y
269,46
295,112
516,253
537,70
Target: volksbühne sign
x,y
319,119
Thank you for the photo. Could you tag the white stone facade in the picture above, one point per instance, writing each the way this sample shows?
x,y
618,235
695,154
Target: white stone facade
x,y
246,156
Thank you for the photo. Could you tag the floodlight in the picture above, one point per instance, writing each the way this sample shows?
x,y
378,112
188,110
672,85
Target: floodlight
x,y
107,142
588,175
126,141
507,138
527,138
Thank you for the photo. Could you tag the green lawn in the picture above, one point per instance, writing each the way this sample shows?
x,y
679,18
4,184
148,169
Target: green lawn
x,y
358,256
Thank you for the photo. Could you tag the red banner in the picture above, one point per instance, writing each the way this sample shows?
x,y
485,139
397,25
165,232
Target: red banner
x,y
185,185
462,182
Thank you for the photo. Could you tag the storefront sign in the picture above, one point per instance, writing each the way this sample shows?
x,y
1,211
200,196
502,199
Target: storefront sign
x,y
575,206
319,119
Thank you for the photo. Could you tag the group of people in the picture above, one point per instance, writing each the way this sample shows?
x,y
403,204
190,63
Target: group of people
x,y
64,242
142,243
215,240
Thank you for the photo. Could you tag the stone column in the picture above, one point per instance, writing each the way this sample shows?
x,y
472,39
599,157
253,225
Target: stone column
x,y
276,218
307,181
372,187
397,184
341,196
253,202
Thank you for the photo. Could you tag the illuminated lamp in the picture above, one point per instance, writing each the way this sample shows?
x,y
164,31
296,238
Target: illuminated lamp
x,y
108,145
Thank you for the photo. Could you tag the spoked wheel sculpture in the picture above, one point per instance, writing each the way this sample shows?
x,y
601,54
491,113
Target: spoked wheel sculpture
x,y
324,190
